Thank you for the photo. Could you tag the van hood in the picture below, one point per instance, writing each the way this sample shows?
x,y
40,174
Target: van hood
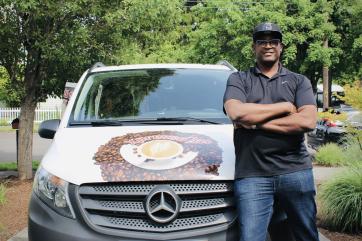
x,y
142,153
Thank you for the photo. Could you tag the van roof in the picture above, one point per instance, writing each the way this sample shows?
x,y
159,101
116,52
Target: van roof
x,y
160,66
334,88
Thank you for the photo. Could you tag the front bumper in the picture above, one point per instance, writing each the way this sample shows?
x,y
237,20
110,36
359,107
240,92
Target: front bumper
x,y
45,224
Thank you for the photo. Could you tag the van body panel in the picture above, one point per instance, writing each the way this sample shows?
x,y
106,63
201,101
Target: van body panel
x,y
143,152
149,153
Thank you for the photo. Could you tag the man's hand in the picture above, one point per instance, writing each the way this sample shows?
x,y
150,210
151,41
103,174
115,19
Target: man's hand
x,y
290,107
303,121
238,125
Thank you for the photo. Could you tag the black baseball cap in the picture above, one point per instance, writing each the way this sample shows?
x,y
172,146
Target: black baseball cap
x,y
267,28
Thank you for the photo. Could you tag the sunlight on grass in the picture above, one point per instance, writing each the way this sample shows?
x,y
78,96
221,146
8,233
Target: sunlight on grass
x,y
330,154
2,194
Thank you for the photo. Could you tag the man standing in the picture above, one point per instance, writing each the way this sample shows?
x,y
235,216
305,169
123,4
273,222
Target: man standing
x,y
271,108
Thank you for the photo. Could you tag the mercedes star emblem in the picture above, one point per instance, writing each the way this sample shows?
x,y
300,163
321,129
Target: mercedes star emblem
x,y
162,204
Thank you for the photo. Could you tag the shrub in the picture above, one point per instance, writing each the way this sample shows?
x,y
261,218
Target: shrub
x,y
353,94
330,155
2,194
353,147
341,201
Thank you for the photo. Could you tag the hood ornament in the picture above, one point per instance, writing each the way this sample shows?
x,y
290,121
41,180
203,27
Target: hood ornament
x,y
162,204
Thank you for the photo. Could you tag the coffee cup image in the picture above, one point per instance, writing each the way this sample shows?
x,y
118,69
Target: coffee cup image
x,y
157,154
160,149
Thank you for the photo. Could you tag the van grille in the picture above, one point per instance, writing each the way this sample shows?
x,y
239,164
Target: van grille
x,y
122,206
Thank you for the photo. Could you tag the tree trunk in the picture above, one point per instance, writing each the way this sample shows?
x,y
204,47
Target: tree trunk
x,y
326,88
32,79
27,114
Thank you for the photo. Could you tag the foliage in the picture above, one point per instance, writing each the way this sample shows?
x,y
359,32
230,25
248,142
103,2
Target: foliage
x,y
10,97
224,29
348,154
330,154
353,95
332,116
341,201
2,194
353,143
346,17
353,154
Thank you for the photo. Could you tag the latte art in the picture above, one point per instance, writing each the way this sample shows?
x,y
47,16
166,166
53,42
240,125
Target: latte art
x,y
160,149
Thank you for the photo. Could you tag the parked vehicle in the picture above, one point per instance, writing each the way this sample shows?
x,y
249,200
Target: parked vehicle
x,y
336,102
328,131
143,152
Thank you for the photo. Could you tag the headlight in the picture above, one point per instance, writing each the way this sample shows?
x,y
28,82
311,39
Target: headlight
x,y
53,191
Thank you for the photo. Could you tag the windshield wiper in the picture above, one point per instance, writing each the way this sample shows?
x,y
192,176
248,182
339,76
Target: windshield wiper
x,y
107,123
186,118
163,120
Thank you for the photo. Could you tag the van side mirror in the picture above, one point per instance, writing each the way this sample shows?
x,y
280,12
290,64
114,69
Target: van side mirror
x,y
48,128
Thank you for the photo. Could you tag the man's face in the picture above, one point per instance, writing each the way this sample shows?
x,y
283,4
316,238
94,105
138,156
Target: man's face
x,y
267,52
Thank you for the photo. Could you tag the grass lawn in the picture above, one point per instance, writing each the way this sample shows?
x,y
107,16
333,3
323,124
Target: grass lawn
x,y
9,129
11,166
6,129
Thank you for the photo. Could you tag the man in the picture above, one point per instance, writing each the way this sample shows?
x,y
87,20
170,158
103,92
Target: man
x,y
271,108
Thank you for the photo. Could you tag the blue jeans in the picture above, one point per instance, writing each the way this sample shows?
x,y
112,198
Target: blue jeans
x,y
255,197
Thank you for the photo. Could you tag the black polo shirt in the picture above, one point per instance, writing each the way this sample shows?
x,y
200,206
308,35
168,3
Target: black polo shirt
x,y
265,153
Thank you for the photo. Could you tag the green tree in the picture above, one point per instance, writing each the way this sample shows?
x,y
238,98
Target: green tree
x,y
224,30
46,43
346,17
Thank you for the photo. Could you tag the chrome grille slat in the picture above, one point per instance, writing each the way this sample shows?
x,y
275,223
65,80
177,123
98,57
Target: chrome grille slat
x,y
145,225
206,204
137,207
121,206
114,206
198,188
144,189
139,190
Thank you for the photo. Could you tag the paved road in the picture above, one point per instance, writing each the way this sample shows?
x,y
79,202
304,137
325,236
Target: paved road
x,y
8,146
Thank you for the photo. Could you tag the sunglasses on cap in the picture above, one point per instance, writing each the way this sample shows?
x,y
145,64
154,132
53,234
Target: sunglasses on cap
x,y
264,43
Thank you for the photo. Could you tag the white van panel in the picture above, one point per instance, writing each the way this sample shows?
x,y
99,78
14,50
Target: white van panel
x,y
135,153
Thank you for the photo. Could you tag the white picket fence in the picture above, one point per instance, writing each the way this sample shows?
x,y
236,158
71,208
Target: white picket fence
x,y
41,114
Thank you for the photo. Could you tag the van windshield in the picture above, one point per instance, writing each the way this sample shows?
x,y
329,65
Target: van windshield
x,y
152,93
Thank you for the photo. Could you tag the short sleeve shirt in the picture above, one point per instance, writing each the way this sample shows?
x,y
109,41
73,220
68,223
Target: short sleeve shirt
x,y
265,153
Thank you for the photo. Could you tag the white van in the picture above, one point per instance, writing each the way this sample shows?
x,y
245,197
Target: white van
x,y
143,152
336,91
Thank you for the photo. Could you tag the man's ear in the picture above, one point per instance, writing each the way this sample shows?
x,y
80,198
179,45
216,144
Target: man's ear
x,y
281,46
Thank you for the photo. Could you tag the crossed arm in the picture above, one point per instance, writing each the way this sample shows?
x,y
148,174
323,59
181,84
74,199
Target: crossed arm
x,y
280,117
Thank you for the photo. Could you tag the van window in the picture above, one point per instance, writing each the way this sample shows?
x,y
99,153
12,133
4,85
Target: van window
x,y
152,93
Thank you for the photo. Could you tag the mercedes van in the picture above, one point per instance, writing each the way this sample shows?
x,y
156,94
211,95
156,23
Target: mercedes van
x,y
143,152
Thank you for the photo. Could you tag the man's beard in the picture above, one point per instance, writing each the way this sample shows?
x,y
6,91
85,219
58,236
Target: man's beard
x,y
268,63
